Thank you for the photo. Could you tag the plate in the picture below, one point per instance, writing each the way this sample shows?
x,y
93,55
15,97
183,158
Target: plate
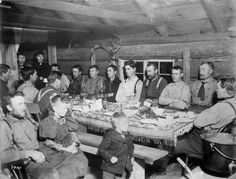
x,y
149,121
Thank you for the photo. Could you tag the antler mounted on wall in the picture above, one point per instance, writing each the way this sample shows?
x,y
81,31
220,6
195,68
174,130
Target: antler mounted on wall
x,y
110,50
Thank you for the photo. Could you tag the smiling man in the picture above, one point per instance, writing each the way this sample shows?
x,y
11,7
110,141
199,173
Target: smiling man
x,y
176,94
203,89
130,88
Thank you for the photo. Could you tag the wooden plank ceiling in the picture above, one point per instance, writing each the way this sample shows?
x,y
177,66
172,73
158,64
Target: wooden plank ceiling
x,y
166,18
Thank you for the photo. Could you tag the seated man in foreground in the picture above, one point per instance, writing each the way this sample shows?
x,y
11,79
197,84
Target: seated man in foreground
x,y
176,94
23,143
211,119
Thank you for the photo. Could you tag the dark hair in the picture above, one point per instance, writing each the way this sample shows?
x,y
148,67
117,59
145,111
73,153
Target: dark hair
x,y
78,67
94,66
38,53
20,53
26,72
152,64
4,68
130,63
178,68
229,84
114,67
210,64
54,75
55,65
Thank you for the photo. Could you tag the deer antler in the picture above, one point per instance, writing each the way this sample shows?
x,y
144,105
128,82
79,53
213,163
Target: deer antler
x,y
111,51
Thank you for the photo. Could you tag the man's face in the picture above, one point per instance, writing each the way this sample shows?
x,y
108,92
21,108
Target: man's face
x,y
57,84
111,73
21,60
129,70
151,72
205,71
34,76
75,73
18,107
40,58
176,75
93,72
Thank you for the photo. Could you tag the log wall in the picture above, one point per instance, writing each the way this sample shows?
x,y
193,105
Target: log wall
x,y
218,51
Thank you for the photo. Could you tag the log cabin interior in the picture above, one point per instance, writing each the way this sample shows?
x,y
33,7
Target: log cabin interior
x,y
185,32
168,32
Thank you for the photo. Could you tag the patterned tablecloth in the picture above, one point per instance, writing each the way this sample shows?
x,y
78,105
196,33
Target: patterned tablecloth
x,y
141,131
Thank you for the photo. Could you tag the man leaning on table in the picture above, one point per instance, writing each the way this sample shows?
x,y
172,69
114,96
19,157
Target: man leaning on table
x,y
211,119
176,94
153,85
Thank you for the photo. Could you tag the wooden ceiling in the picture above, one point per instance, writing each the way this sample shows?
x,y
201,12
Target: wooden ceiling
x,y
165,18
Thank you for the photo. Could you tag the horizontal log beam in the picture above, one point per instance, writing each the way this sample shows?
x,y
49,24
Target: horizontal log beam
x,y
78,9
214,15
25,21
138,39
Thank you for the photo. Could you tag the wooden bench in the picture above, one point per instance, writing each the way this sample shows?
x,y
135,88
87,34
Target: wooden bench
x,y
142,154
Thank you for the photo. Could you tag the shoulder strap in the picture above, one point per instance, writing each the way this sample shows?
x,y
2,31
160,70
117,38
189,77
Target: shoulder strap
x,y
12,134
158,83
135,90
40,96
232,107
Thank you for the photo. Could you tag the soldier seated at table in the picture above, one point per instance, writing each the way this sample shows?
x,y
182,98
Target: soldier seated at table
x,y
211,119
112,83
95,83
176,94
153,85
203,90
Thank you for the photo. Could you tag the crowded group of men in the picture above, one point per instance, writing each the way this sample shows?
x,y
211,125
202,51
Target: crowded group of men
x,y
39,82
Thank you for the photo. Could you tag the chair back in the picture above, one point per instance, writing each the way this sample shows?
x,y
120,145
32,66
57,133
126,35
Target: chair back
x,y
34,110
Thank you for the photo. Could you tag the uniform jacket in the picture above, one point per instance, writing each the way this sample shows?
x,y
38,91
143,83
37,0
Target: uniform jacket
x,y
113,144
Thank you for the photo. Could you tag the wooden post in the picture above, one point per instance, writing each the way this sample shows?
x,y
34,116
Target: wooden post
x,y
52,49
120,69
186,64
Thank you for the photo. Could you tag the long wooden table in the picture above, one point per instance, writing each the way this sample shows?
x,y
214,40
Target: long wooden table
x,y
144,133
